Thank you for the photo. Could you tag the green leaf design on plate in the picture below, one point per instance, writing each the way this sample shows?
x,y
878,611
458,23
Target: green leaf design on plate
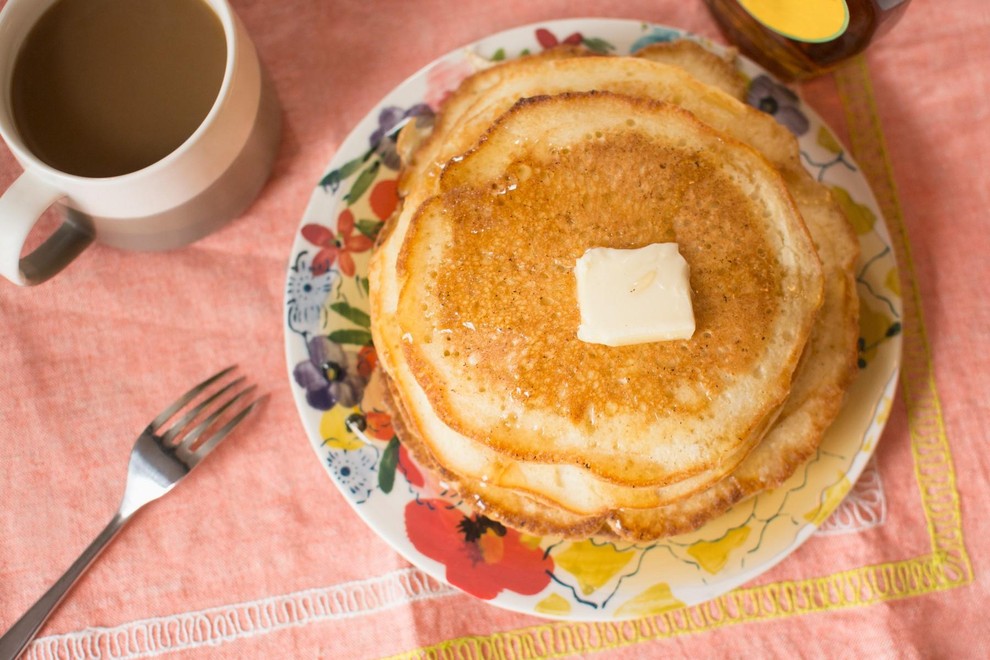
x,y
362,183
356,337
369,228
352,314
498,55
386,471
597,45
332,179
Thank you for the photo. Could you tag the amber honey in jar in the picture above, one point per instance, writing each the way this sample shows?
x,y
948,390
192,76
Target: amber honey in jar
x,y
797,39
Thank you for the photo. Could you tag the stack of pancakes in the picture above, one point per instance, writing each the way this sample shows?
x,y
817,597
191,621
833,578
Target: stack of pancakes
x,y
474,309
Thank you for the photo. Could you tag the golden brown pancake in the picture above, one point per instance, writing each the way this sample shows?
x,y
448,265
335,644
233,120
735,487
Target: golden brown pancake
x,y
508,495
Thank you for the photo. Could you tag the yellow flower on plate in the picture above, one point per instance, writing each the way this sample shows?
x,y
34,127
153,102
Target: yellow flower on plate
x,y
831,498
655,600
593,564
893,281
714,555
554,604
334,429
860,215
828,141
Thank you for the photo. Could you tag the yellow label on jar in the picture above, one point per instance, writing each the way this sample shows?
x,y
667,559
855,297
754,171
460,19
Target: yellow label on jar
x,y
802,20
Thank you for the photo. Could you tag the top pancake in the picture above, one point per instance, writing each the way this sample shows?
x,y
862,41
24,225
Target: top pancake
x,y
488,312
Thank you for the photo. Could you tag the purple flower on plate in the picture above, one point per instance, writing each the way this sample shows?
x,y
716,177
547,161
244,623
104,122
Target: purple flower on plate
x,y
777,100
384,137
326,376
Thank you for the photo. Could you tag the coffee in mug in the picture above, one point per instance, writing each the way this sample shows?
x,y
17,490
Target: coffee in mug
x,y
125,82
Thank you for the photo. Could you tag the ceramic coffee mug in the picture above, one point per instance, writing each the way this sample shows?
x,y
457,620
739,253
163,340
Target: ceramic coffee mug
x,y
206,181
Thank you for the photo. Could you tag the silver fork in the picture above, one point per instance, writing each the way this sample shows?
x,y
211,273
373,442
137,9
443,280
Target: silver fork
x,y
159,460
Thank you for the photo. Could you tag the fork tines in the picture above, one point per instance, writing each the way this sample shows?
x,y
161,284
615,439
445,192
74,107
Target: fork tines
x,y
211,412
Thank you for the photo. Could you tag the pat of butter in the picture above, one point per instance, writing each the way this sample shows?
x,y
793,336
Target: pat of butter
x,y
634,296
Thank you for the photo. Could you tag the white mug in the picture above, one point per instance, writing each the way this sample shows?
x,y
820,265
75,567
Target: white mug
x,y
208,180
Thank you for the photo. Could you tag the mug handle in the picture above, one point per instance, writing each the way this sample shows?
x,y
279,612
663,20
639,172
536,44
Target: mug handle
x,y
21,206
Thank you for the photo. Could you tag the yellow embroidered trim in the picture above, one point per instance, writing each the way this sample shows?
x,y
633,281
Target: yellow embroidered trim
x,y
946,567
853,588
929,444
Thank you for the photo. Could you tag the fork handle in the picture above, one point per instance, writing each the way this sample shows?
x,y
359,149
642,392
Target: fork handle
x,y
15,640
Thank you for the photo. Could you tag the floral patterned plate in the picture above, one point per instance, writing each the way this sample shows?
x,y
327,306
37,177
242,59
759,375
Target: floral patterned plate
x,y
332,366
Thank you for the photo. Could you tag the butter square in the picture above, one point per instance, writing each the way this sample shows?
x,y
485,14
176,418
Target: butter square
x,y
634,296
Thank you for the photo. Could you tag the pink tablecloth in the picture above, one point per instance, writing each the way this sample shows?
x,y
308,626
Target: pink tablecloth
x,y
258,555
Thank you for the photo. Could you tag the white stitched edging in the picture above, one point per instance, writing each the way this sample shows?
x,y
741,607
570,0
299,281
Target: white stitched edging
x,y
863,508
214,626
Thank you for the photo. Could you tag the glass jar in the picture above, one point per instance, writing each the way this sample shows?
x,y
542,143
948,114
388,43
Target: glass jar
x,y
798,39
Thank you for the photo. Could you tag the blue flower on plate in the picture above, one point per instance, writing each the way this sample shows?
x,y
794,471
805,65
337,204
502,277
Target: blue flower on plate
x,y
355,470
306,293
656,35
326,376
383,139
777,100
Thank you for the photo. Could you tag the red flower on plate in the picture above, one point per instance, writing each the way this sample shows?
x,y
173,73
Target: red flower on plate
x,y
384,198
367,360
482,556
548,39
336,247
379,425
409,468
